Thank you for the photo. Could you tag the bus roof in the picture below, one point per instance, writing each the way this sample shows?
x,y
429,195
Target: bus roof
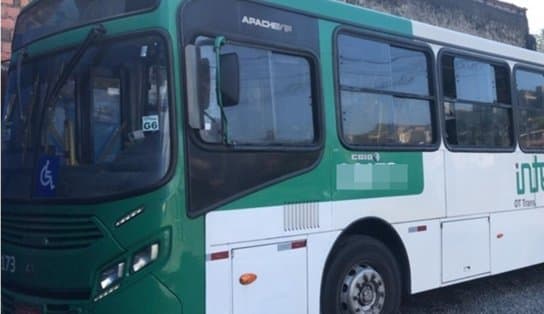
x,y
435,34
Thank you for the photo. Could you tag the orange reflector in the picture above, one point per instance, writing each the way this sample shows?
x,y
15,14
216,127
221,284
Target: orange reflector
x,y
247,279
500,236
219,255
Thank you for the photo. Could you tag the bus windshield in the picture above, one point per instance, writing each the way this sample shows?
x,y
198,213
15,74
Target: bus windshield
x,y
107,131
46,17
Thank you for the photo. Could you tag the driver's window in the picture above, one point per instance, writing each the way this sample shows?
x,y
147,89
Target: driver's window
x,y
276,105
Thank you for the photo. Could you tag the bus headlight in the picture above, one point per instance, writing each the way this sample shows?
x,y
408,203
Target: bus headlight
x,y
145,256
112,275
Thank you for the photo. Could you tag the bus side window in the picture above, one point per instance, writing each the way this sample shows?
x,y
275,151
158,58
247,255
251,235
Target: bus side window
x,y
385,94
477,103
530,93
276,105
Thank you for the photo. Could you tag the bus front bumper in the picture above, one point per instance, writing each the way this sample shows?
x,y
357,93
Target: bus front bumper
x,y
145,296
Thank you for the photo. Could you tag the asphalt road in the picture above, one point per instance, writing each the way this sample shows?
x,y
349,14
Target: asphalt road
x,y
520,291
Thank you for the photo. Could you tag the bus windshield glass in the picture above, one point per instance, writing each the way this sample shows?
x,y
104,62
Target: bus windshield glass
x,y
107,130
47,17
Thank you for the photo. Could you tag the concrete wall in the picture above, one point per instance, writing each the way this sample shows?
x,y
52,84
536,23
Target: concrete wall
x,y
491,19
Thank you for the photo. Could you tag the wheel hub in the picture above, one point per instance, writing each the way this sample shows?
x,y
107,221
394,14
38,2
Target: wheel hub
x,y
366,295
363,291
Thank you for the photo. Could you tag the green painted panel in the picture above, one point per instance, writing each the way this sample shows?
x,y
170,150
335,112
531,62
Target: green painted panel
x,y
315,185
147,296
310,187
175,282
362,174
350,14
378,174
338,176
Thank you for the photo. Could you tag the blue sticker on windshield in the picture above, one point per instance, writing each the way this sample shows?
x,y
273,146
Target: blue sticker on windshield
x,y
48,170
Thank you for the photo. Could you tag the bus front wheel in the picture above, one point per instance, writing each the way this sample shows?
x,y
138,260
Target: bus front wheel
x,y
363,277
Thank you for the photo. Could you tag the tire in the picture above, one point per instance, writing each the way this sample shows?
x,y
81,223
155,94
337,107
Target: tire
x,y
362,277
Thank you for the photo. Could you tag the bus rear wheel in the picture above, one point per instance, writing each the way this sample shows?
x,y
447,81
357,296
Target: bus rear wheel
x,y
363,277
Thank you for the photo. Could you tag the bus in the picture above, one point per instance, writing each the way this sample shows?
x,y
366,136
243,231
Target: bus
x,y
278,156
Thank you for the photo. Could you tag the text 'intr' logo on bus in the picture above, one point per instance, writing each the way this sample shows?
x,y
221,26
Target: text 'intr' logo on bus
x,y
531,174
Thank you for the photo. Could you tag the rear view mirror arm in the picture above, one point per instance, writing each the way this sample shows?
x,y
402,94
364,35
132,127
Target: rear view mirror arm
x,y
218,43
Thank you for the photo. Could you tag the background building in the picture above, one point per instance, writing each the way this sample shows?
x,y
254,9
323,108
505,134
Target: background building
x,y
10,10
486,18
490,19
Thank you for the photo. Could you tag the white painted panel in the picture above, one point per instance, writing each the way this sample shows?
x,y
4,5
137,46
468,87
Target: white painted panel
x,y
427,205
319,246
443,35
539,198
465,248
483,182
236,226
424,253
522,241
281,285
218,286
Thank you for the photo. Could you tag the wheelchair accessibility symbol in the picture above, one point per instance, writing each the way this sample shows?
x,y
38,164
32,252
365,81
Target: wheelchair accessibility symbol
x,y
46,181
46,176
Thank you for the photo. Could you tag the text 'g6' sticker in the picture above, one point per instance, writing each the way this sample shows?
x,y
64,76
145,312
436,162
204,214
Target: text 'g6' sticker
x,y
150,123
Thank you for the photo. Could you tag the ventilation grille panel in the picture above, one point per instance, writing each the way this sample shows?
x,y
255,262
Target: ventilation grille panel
x,y
8,307
300,216
44,231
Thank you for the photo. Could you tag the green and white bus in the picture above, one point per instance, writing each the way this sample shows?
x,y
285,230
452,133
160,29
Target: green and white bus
x,y
242,157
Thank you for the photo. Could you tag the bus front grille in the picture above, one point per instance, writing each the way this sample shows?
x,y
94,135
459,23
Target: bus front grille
x,y
44,231
9,307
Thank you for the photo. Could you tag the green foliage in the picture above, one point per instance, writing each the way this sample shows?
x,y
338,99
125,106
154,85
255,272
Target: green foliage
x,y
540,41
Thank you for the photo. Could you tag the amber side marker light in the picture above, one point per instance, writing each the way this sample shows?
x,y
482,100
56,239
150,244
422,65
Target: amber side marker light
x,y
247,279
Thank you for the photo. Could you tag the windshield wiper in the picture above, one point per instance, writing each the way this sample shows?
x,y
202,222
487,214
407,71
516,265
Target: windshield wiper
x,y
15,100
62,78
22,56
94,34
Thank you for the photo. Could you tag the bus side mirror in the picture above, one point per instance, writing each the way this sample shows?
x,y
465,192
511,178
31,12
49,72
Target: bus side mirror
x,y
203,84
194,111
230,79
